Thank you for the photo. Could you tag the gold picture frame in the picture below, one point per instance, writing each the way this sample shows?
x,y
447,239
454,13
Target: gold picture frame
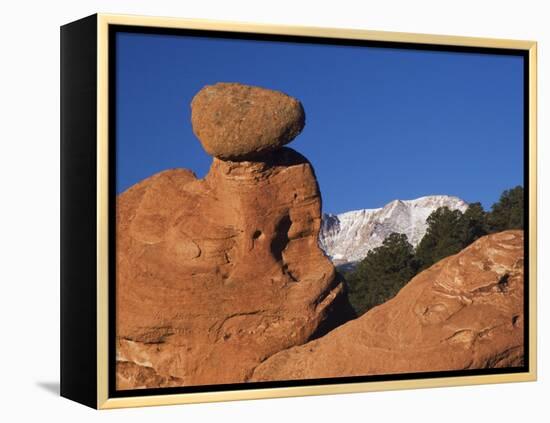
x,y
96,33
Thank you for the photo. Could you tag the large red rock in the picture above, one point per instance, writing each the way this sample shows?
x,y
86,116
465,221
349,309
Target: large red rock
x,y
215,275
465,312
235,121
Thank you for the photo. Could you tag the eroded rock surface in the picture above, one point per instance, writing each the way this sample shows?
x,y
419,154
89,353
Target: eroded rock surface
x,y
221,279
465,312
216,275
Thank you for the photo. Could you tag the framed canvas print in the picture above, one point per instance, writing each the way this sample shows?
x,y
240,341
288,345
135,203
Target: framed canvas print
x,y
254,211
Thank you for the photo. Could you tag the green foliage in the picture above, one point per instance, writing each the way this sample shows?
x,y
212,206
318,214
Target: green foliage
x,y
386,269
450,231
473,224
443,237
382,273
507,213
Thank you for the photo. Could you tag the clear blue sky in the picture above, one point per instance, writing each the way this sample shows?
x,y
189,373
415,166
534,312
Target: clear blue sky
x,y
381,124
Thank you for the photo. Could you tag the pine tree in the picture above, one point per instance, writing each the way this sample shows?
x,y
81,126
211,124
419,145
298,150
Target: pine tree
x,y
473,224
443,237
382,273
507,213
386,269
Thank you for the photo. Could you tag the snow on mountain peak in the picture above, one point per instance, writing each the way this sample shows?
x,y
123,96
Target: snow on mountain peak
x,y
348,237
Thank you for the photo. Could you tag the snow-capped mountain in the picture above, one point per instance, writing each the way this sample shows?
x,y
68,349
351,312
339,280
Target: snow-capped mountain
x,y
347,237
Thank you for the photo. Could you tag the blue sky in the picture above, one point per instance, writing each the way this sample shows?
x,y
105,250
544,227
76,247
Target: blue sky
x,y
381,123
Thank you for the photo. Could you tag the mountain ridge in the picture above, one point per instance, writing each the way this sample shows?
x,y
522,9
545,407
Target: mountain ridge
x,y
347,237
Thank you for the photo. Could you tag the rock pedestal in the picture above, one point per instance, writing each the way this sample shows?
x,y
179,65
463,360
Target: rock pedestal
x,y
215,275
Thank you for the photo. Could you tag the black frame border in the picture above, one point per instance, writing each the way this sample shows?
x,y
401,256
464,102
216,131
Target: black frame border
x,y
78,211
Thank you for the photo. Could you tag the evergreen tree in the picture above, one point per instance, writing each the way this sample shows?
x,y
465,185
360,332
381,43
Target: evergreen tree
x,y
443,237
473,224
382,273
507,213
386,269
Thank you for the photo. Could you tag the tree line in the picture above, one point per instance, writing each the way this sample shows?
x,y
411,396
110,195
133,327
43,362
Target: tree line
x,y
386,269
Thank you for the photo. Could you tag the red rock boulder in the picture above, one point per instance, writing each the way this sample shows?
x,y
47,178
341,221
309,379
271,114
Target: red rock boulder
x,y
236,122
464,312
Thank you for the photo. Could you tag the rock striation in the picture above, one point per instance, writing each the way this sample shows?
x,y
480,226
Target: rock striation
x,y
464,312
216,275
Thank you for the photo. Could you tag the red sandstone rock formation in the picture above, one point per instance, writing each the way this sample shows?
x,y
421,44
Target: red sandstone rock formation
x,y
465,312
215,275
221,280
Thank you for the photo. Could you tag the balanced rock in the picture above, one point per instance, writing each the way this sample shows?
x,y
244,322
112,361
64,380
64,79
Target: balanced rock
x,y
464,312
215,275
237,122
